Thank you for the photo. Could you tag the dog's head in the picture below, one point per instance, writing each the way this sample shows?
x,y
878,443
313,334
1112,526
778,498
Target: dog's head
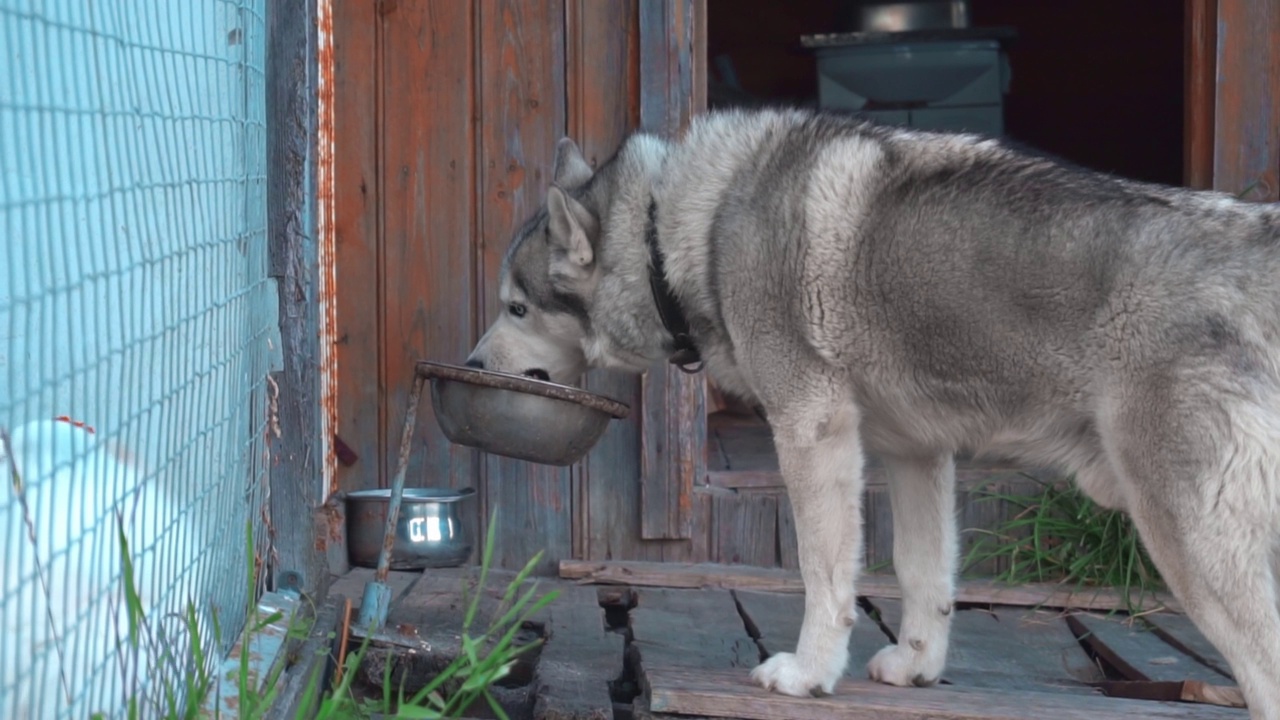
x,y
547,282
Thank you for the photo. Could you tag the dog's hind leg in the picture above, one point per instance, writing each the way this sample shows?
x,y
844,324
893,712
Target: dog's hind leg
x,y
922,494
821,460
1205,487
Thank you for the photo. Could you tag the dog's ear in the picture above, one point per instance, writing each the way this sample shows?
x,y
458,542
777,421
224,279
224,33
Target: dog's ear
x,y
573,229
570,170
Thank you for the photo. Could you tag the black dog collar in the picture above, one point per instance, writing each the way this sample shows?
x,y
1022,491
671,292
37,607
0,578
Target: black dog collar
x,y
673,319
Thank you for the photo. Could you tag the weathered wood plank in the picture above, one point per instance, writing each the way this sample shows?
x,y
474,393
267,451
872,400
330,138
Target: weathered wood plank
x,y
1010,649
674,405
1180,632
746,447
352,583
743,479
877,529
731,694
1191,691
691,628
315,661
699,546
521,81
1200,38
744,528
776,619
603,97
1152,666
1246,153
297,459
578,661
427,188
788,547
1138,653
712,575
356,208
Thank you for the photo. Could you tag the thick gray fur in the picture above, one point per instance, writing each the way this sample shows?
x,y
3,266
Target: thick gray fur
x,y
914,295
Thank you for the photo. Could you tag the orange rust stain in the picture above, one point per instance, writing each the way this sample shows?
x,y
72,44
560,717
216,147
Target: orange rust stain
x,y
333,520
325,139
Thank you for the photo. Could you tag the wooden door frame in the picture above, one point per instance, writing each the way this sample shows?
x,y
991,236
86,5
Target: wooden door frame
x,y
1232,102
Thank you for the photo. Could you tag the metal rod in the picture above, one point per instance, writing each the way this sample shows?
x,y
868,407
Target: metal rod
x,y
397,485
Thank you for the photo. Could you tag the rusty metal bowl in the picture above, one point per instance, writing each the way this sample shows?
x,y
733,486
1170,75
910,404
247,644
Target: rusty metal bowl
x,y
429,529
518,417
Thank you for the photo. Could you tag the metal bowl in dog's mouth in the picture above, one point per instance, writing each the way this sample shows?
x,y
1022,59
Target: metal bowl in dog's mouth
x,y
516,416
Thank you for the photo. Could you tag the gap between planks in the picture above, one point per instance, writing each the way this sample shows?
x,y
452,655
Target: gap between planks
x,y
743,577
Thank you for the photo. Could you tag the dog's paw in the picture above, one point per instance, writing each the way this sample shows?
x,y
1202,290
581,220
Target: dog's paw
x,y
904,665
788,674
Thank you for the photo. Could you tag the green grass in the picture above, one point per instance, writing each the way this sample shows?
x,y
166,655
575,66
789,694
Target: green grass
x,y
1062,536
486,655
484,659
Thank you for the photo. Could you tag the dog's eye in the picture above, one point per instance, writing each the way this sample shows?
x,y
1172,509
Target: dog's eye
x,y
516,309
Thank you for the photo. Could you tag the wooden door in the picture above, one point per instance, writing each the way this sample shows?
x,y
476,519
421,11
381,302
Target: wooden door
x,y
447,114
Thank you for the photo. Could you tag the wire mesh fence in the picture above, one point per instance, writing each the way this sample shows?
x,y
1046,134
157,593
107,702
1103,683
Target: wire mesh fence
x,y
135,305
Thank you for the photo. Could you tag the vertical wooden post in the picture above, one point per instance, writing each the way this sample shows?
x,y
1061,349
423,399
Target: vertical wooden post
x,y
296,471
1233,97
1200,62
672,88
357,211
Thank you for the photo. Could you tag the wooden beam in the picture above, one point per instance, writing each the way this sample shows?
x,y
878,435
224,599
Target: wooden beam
x,y
357,185
712,575
296,470
731,694
315,663
1200,39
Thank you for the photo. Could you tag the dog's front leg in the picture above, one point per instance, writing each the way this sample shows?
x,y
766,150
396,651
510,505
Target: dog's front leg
x,y
821,462
922,494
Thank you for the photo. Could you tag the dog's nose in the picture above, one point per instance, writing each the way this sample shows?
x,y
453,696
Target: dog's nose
x,y
538,374
473,363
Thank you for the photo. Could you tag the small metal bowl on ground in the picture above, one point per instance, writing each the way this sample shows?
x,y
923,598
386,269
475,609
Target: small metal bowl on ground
x,y
518,417
429,530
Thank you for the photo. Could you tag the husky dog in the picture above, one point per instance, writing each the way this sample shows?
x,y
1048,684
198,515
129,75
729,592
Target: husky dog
x,y
913,295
